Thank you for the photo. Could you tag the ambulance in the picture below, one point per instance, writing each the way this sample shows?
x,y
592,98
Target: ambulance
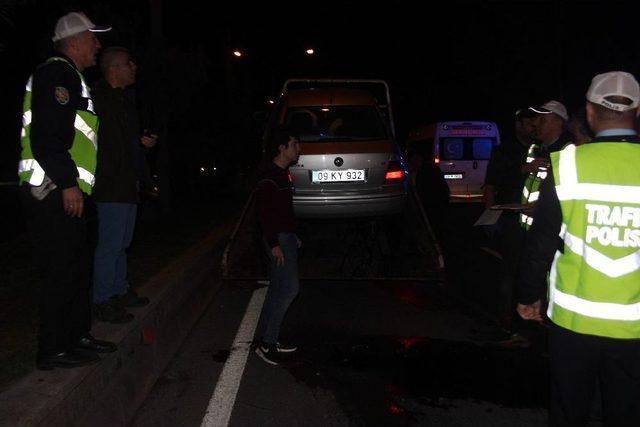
x,y
462,150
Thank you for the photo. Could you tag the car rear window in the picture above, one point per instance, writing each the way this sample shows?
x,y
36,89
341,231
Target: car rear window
x,y
335,123
466,148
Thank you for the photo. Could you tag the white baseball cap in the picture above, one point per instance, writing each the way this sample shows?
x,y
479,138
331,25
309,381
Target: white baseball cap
x,y
75,23
552,106
614,83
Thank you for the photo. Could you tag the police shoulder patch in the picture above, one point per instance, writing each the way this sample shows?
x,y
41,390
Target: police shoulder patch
x,y
62,95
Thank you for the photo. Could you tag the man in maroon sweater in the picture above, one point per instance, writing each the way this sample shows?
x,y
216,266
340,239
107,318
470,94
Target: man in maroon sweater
x,y
275,211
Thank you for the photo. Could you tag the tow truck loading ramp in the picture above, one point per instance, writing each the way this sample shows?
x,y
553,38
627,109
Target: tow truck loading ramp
x,y
397,247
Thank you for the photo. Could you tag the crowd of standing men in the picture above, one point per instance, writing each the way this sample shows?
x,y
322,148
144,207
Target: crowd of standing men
x,y
576,221
575,224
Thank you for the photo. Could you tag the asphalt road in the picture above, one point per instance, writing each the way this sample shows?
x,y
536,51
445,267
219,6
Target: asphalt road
x,y
384,353
371,353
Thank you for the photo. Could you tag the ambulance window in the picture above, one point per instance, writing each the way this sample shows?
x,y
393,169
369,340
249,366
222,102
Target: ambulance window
x,y
453,148
481,148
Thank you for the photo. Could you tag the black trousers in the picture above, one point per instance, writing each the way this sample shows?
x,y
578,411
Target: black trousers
x,y
511,239
60,252
579,361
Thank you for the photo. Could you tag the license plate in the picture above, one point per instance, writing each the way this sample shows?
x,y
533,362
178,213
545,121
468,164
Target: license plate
x,y
453,176
347,175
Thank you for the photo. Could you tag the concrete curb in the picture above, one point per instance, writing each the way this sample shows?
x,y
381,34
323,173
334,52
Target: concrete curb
x,y
109,393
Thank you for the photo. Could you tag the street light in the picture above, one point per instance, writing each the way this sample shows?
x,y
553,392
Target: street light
x,y
237,53
310,51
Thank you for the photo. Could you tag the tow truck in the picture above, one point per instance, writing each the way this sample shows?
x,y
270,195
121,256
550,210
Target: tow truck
x,y
356,244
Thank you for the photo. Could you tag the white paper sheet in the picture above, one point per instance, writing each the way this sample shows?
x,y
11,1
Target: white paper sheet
x,y
488,217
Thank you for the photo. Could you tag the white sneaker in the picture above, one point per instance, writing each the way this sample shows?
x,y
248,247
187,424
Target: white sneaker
x,y
268,353
285,348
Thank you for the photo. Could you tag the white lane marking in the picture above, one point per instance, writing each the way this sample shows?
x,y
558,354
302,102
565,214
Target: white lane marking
x,y
221,403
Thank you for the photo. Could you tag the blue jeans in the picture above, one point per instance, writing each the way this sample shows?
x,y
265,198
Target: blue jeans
x,y
283,288
116,222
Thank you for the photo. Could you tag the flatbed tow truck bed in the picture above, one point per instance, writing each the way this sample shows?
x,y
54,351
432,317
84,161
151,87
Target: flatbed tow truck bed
x,y
397,247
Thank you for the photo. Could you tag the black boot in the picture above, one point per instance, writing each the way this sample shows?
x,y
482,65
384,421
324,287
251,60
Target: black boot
x,y
66,359
90,343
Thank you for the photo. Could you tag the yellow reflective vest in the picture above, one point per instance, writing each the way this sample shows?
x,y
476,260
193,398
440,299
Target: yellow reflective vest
x,y
83,150
594,282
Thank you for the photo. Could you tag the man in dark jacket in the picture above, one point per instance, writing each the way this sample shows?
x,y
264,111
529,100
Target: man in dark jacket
x,y
503,185
118,172
430,185
275,211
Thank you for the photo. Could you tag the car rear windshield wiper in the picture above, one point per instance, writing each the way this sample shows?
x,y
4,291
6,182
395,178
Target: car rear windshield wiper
x,y
326,138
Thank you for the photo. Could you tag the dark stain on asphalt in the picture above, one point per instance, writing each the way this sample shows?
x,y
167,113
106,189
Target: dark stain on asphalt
x,y
221,356
399,378
428,297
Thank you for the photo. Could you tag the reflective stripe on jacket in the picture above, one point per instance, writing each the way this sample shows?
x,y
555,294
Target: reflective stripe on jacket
x,y
531,189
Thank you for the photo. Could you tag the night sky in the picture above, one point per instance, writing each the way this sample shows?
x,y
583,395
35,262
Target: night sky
x,y
465,61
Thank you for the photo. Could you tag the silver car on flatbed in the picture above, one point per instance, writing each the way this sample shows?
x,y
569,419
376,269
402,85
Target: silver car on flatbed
x,y
350,165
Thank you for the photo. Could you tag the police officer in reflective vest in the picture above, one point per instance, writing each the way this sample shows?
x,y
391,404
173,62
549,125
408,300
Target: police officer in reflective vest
x,y
587,230
551,134
57,165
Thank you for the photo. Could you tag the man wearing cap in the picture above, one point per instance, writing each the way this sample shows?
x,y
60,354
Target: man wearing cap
x,y
587,231
56,168
505,178
552,136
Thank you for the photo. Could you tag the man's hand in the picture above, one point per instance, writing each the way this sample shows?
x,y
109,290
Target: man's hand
x,y
149,140
529,208
299,242
73,201
276,251
531,311
536,164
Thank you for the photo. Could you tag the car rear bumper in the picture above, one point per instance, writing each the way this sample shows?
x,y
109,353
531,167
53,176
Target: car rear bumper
x,y
466,198
348,207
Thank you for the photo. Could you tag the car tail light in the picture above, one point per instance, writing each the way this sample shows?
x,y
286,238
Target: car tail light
x,y
436,160
395,171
